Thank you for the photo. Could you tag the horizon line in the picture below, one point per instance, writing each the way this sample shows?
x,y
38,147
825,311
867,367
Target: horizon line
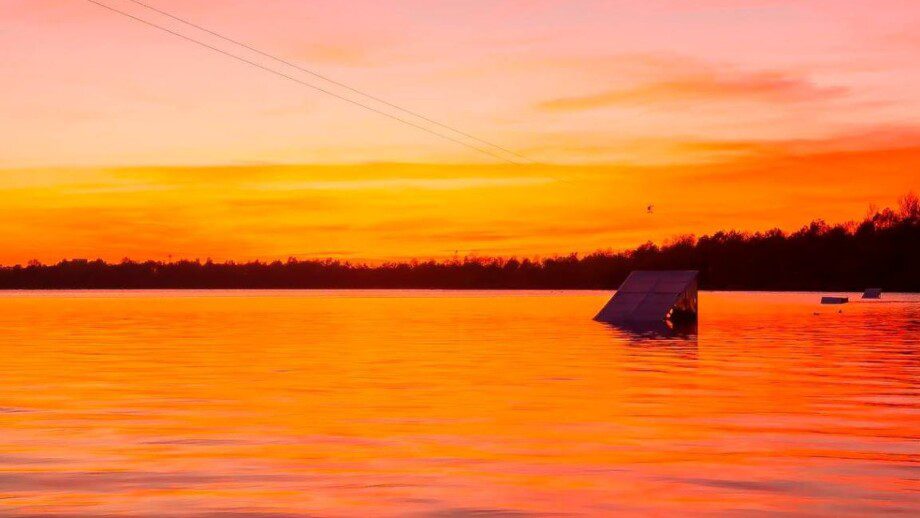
x,y
471,254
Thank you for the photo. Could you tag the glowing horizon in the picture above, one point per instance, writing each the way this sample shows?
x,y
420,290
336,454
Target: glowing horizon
x,y
124,142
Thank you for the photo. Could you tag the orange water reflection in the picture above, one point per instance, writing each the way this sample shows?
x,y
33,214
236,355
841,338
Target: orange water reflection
x,y
446,403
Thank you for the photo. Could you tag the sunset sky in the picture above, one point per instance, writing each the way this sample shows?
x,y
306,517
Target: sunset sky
x,y
119,140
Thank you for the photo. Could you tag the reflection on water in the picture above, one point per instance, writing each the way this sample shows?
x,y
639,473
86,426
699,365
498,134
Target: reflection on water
x,y
456,404
643,332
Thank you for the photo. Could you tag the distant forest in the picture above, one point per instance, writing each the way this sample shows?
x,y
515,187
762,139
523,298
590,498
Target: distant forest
x,y
881,251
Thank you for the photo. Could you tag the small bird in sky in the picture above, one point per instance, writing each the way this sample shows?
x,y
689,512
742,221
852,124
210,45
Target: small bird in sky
x,y
650,209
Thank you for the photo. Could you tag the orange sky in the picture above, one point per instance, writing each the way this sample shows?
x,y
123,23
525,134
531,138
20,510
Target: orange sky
x,y
119,140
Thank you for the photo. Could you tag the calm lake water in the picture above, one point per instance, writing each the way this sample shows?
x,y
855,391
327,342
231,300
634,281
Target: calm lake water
x,y
456,404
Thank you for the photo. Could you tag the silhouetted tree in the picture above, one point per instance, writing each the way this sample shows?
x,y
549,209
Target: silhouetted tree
x,y
881,251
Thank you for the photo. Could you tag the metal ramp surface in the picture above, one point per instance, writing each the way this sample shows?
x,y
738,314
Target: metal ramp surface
x,y
652,296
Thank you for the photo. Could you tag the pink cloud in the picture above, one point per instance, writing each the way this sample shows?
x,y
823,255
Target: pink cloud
x,y
770,87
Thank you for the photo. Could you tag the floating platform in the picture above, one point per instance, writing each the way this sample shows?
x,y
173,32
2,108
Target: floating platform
x,y
834,300
653,296
872,293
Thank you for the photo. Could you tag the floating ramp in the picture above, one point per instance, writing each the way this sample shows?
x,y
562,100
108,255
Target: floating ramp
x,y
872,293
653,296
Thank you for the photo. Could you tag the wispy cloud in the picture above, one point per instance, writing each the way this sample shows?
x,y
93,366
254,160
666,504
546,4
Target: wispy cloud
x,y
404,183
769,87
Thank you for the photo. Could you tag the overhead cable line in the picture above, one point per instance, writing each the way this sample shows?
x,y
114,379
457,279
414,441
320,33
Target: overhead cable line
x,y
304,83
326,78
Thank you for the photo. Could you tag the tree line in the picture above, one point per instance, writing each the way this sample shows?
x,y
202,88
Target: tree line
x,y
881,251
